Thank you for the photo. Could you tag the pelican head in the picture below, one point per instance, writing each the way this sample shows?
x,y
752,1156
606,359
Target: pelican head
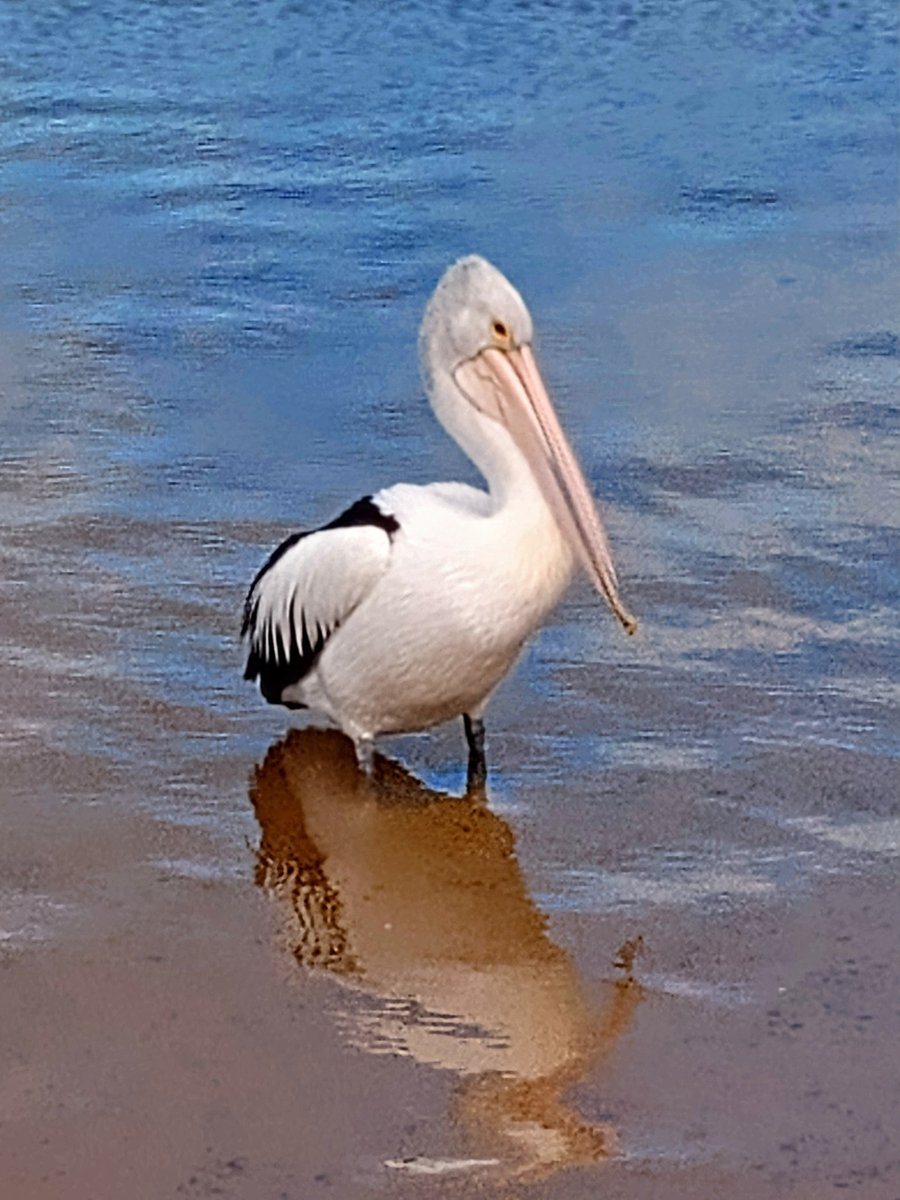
x,y
477,358
474,306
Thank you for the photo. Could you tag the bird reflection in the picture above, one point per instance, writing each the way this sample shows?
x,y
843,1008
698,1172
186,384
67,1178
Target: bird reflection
x,y
416,900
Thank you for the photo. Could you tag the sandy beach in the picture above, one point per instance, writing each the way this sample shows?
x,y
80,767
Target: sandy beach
x,y
361,993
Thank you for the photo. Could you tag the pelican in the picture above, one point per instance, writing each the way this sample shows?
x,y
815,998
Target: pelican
x,y
409,608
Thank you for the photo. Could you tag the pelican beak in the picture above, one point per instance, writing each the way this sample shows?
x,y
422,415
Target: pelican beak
x,y
507,386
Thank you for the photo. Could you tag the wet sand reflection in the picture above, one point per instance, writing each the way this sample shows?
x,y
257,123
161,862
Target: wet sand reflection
x,y
417,901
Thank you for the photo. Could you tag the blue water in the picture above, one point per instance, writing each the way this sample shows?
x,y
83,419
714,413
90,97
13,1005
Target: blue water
x,y
218,227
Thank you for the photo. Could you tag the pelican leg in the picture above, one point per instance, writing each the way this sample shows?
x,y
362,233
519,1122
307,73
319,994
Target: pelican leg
x,y
476,776
365,756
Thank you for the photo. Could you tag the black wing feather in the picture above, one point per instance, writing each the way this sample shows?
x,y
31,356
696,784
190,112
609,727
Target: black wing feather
x,y
275,665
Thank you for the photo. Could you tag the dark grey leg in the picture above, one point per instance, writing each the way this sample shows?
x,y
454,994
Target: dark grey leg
x,y
476,777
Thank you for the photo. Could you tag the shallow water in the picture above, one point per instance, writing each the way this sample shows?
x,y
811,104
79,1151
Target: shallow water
x,y
218,227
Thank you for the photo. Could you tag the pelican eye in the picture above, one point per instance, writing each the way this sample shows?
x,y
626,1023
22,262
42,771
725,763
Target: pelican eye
x,y
500,331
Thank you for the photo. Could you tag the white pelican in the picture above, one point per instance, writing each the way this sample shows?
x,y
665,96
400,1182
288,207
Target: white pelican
x,y
410,607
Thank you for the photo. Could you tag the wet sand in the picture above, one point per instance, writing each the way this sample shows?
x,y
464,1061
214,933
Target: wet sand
x,y
366,998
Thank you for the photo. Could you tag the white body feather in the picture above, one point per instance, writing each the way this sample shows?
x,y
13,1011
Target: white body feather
x,y
452,596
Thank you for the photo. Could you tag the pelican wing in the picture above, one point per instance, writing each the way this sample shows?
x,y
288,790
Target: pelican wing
x,y
307,589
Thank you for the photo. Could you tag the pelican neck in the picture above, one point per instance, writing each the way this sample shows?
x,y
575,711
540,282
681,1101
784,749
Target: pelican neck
x,y
510,480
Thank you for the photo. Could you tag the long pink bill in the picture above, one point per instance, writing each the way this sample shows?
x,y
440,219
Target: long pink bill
x,y
519,400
